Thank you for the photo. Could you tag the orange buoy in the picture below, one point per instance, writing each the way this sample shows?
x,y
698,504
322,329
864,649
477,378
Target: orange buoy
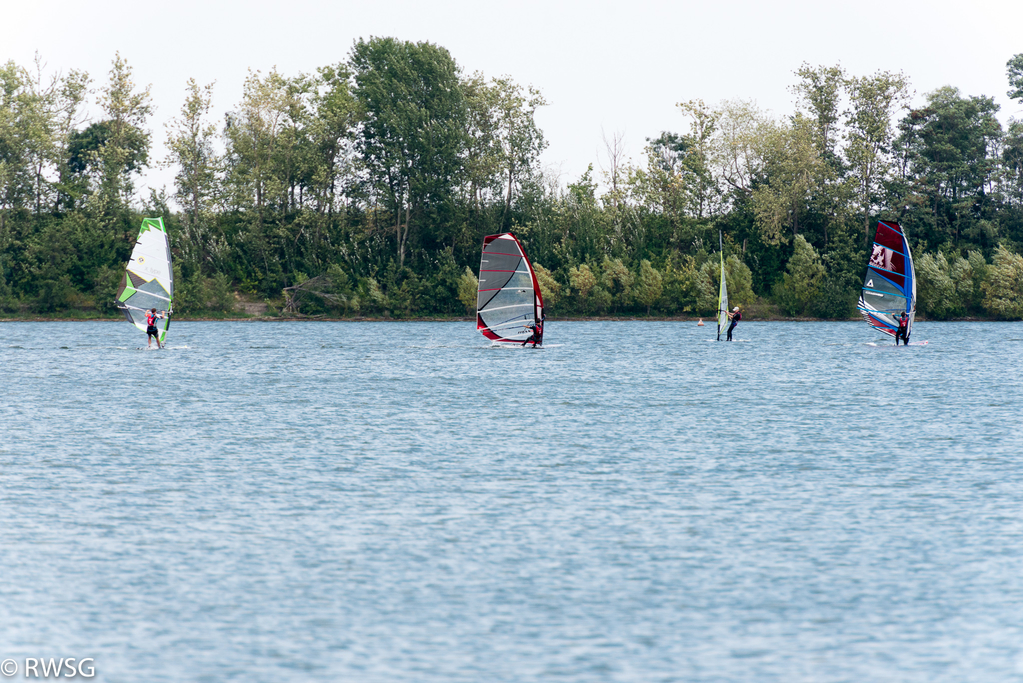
x,y
700,324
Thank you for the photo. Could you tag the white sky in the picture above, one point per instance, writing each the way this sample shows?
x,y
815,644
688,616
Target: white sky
x,y
604,67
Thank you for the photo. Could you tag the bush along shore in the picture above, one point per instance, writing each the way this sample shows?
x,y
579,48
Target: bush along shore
x,y
320,195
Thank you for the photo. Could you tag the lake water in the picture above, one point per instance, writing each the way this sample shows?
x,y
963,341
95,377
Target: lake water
x,y
294,502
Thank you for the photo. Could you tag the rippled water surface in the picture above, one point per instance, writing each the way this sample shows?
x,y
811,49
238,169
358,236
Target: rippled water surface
x,y
295,502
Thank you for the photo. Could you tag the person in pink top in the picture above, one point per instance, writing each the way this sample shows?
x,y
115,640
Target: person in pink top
x,y
151,331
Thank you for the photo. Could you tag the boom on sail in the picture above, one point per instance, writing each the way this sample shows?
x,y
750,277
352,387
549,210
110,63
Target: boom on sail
x,y
149,278
889,289
509,305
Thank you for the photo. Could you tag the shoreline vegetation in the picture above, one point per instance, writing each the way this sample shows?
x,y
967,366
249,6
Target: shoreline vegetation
x,y
323,196
238,316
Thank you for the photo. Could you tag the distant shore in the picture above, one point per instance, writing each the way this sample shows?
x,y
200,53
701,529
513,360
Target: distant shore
x,y
436,319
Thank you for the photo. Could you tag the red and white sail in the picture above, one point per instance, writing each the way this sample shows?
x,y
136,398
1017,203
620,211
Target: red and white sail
x,y
509,305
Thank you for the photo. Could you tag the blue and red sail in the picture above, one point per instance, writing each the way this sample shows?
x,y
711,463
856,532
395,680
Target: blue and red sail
x,y
889,289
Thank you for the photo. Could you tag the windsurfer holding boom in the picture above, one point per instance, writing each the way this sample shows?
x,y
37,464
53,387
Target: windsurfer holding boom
x,y
903,330
735,316
151,317
537,336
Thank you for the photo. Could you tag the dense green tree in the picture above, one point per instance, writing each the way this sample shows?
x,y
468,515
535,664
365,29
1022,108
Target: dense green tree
x,y
874,101
794,175
191,141
123,145
738,278
649,285
1003,288
550,288
950,151
1015,72
804,276
365,186
413,130
819,93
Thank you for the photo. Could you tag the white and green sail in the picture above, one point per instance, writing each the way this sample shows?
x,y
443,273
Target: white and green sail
x,y
149,278
722,292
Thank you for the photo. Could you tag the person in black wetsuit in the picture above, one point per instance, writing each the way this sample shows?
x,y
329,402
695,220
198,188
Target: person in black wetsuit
x,y
735,316
151,331
537,336
903,330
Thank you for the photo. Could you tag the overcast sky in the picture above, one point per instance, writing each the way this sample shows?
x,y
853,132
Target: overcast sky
x,y
605,68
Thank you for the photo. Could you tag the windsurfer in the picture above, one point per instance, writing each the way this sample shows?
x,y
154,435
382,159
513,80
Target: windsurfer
x,y
151,317
537,336
903,330
735,316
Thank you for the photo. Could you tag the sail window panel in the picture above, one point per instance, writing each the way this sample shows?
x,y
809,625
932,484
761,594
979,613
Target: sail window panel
x,y
499,262
146,301
879,283
136,280
884,303
521,280
494,279
511,297
508,329
511,332
507,316
492,286
137,318
483,298
896,280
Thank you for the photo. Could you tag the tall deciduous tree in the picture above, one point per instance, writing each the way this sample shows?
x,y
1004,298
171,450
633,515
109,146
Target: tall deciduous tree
x,y
332,133
503,142
521,140
124,151
413,131
874,101
1015,73
739,152
253,134
17,103
191,139
950,147
795,176
819,93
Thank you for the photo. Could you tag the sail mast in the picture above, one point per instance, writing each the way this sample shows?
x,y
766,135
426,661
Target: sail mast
x,y
723,290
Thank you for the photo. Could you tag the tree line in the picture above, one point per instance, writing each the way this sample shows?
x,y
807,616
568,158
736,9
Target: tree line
x,y
365,188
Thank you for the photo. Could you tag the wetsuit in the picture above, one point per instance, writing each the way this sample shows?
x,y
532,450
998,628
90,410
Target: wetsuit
x,y
902,331
151,327
537,336
736,317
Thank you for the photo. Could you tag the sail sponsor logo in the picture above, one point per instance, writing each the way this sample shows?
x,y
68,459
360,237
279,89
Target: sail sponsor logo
x,y
875,294
881,257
